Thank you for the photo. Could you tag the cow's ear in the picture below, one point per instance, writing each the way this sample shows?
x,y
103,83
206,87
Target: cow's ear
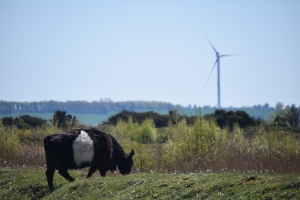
x,y
131,153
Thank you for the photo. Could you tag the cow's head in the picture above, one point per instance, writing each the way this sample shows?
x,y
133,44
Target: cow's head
x,y
126,164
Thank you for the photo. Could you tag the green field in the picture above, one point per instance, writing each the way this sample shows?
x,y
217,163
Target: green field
x,y
22,183
94,119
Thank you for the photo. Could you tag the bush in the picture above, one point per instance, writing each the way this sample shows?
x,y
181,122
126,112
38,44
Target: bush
x,y
146,132
194,147
231,118
9,142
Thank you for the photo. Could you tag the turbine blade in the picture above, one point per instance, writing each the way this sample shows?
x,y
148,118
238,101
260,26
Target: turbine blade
x,y
209,41
224,55
209,75
212,45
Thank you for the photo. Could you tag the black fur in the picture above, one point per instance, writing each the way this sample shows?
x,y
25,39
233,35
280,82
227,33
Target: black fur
x,y
108,154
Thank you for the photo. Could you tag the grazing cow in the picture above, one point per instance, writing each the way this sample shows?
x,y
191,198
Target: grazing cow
x,y
82,148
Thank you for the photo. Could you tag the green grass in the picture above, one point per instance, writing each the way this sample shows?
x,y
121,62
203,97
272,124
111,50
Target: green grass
x,y
22,183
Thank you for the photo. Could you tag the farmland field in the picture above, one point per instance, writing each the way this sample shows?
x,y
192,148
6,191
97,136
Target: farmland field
x,y
94,119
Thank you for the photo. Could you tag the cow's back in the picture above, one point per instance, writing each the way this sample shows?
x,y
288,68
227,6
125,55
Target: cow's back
x,y
58,149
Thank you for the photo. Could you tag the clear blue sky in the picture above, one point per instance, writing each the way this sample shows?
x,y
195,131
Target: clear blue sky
x,y
150,50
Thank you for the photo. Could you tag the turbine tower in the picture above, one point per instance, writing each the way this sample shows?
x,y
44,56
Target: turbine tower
x,y
218,55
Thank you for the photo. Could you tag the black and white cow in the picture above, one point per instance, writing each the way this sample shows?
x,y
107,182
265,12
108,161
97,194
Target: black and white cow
x,y
82,148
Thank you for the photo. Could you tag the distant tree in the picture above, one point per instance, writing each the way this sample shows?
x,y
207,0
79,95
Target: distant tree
x,y
123,115
26,121
267,106
278,118
6,107
279,121
7,121
292,115
159,120
64,121
173,112
229,119
103,106
279,106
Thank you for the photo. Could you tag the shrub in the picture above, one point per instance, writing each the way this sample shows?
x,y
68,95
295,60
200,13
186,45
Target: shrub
x,y
146,133
193,147
9,142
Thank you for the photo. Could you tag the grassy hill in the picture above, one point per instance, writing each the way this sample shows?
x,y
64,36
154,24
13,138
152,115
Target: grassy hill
x,y
22,183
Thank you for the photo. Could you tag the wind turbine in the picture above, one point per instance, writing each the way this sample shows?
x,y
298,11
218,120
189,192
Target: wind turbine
x,y
218,55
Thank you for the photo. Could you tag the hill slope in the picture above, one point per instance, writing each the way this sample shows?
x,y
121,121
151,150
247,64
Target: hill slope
x,y
21,183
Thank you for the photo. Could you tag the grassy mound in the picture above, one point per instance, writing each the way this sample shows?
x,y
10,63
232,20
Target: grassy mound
x,y
22,183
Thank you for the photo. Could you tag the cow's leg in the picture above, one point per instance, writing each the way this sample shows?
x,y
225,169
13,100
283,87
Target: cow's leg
x,y
92,170
49,174
65,174
102,172
50,170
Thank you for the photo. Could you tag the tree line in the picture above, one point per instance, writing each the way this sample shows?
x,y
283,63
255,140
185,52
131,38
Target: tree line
x,y
224,119
288,116
103,106
285,117
65,121
97,107
60,120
